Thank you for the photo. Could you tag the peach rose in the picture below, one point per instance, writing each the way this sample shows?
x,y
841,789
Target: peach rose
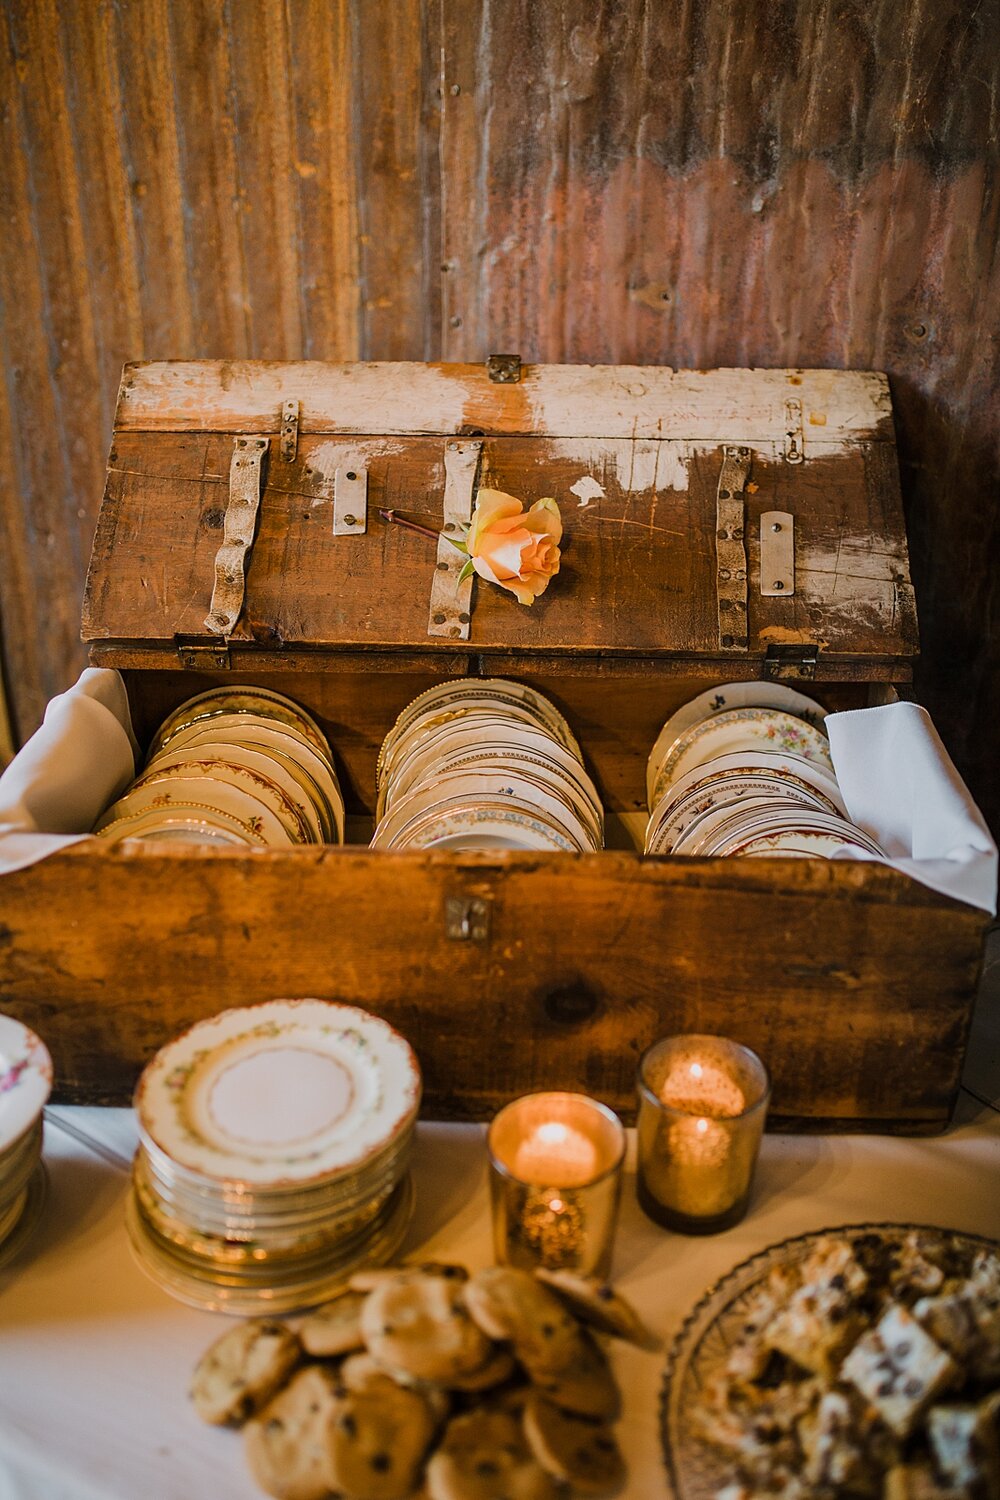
x,y
515,548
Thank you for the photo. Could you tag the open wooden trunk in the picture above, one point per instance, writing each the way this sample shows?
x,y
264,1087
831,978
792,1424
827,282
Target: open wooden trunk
x,y
508,972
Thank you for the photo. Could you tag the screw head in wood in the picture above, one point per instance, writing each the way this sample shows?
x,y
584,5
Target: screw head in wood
x,y
439,619
777,585
350,520
776,526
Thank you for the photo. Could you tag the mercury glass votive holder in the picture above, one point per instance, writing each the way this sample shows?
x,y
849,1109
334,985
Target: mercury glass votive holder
x,y
702,1105
555,1182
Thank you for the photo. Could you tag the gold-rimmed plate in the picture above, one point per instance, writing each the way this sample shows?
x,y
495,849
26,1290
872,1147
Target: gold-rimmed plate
x,y
261,702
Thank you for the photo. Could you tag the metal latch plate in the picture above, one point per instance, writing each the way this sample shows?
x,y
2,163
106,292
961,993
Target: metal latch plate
x,y
467,919
350,501
777,554
504,369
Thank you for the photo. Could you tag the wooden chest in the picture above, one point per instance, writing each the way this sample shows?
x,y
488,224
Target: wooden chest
x,y
507,972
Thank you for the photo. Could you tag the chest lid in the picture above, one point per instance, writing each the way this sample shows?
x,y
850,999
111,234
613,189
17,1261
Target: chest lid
x,y
729,517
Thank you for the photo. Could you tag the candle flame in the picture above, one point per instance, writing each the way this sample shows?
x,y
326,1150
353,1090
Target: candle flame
x,y
701,1127
556,1205
696,1070
552,1134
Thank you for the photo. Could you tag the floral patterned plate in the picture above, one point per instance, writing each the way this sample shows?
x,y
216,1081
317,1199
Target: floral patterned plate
x,y
277,1094
184,789
25,1079
721,699
742,729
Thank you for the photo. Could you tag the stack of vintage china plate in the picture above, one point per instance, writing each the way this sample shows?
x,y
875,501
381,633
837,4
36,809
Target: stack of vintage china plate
x,y
234,766
484,763
25,1085
744,769
274,1148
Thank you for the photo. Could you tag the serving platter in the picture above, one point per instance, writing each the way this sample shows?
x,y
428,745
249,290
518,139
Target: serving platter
x,y
696,1470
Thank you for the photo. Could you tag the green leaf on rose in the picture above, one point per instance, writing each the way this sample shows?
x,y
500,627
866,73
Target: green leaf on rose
x,y
467,571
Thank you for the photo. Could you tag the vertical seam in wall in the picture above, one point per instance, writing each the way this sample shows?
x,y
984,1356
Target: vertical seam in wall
x,y
46,319
303,351
241,218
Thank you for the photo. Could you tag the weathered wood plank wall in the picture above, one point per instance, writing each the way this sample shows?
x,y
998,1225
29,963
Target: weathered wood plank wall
x,y
697,182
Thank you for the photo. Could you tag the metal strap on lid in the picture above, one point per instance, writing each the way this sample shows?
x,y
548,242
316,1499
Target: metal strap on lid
x,y
451,601
246,472
730,547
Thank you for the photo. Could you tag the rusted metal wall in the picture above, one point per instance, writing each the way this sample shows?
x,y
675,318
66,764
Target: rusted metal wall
x,y
690,182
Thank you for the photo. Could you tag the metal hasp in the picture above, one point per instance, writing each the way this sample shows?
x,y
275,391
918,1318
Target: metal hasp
x,y
289,441
350,501
246,478
730,549
451,601
777,554
467,919
504,369
793,431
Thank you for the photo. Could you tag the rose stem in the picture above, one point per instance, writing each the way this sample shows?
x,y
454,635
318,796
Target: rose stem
x,y
397,520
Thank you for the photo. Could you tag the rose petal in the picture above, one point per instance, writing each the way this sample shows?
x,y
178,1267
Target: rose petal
x,y
544,516
521,591
491,506
484,570
507,554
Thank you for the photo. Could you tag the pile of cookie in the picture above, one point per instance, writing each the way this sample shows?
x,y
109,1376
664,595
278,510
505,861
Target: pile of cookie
x,y
426,1383
872,1368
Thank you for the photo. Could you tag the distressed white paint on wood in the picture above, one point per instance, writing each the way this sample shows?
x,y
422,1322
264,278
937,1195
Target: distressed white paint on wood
x,y
587,488
327,457
614,401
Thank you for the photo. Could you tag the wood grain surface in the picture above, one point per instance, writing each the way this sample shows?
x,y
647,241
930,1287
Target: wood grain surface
x,y
715,183
588,960
638,574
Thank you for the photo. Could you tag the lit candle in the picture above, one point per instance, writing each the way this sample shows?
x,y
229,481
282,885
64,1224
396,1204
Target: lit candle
x,y
703,1088
555,1181
556,1153
702,1102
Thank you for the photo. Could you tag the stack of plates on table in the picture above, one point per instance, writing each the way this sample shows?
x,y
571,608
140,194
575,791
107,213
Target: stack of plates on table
x,y
236,765
745,769
274,1148
25,1085
484,764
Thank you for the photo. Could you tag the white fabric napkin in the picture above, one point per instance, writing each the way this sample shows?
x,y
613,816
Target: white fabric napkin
x,y
899,784
83,756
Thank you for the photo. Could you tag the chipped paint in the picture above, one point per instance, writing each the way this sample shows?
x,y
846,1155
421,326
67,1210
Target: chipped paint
x,y
588,489
335,453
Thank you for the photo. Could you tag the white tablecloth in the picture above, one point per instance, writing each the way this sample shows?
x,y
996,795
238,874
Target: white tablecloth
x,y
95,1361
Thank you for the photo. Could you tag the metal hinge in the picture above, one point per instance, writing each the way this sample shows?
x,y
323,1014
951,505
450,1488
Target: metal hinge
x,y
504,369
791,663
198,657
289,442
